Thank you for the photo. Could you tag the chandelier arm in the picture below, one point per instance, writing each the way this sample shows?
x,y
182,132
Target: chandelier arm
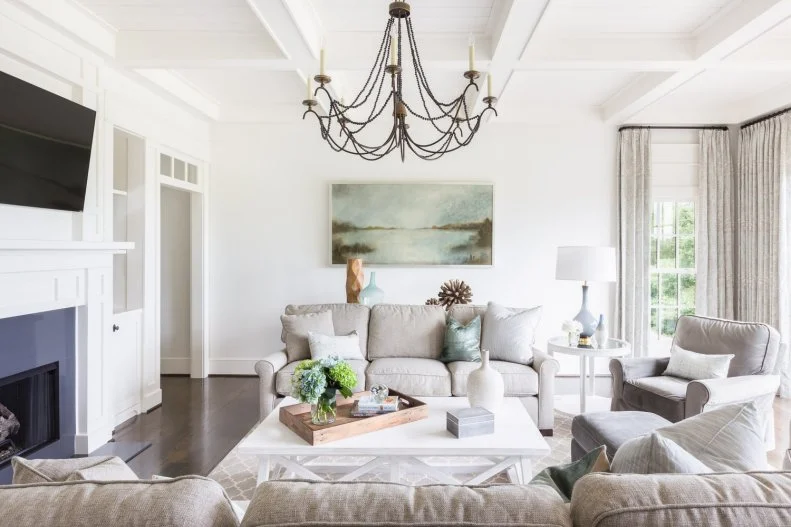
x,y
453,110
420,73
424,154
381,57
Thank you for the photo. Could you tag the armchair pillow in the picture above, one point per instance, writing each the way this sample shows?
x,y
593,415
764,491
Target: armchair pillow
x,y
726,439
509,333
296,328
345,347
694,366
462,341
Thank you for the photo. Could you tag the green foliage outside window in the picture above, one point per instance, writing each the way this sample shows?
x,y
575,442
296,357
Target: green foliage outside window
x,y
672,264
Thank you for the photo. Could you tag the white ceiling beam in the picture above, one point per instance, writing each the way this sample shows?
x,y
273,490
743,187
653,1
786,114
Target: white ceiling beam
x,y
722,37
183,90
297,33
147,49
611,48
519,22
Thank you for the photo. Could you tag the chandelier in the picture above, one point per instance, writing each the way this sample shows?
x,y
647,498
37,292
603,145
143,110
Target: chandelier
x,y
449,123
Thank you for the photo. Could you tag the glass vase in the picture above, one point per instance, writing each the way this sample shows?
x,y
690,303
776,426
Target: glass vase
x,y
323,412
372,295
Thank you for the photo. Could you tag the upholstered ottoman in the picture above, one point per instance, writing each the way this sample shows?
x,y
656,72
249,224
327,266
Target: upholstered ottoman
x,y
611,429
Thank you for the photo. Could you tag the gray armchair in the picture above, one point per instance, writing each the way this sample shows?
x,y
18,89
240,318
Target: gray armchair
x,y
638,383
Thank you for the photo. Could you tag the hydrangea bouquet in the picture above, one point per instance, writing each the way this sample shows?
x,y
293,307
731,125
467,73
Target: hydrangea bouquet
x,y
318,381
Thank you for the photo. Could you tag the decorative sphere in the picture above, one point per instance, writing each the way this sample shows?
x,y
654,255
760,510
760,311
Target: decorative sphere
x,y
380,392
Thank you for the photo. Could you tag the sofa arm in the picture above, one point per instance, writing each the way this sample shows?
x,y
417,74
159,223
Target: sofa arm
x,y
628,368
266,369
708,394
546,367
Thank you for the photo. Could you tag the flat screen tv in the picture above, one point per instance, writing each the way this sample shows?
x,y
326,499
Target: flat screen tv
x,y
45,147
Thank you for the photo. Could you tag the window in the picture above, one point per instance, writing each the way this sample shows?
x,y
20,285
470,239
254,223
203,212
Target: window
x,y
672,269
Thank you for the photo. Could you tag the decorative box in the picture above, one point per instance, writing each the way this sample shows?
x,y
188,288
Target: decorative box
x,y
469,422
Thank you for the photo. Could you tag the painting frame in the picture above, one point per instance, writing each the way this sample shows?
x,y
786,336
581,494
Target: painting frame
x,y
331,218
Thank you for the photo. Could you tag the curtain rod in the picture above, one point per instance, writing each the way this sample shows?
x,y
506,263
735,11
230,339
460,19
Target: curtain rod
x,y
766,117
713,127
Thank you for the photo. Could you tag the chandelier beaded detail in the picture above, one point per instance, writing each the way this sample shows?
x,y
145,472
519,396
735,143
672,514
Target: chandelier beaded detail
x,y
449,122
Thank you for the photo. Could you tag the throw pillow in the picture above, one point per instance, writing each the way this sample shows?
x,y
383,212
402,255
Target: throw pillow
x,y
693,366
726,439
345,347
104,468
509,333
462,341
297,327
655,454
563,477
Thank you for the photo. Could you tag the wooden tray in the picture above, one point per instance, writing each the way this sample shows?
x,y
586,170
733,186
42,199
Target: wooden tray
x,y
297,418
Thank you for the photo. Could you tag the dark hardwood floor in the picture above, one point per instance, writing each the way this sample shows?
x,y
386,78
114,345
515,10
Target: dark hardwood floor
x,y
199,422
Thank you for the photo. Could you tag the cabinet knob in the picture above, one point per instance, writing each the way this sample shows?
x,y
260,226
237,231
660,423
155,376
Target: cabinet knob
x,y
116,327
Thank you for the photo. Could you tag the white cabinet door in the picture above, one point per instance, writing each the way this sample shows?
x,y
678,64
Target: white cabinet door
x,y
125,354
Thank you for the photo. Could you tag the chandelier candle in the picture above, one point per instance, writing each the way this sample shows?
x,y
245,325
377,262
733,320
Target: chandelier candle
x,y
489,85
439,125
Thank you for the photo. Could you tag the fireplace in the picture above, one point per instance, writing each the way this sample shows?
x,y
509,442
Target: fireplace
x,y
29,411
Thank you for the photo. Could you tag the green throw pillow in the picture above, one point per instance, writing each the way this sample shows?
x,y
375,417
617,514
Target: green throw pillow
x,y
462,343
563,477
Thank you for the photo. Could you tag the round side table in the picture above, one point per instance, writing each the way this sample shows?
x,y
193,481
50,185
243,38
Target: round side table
x,y
613,348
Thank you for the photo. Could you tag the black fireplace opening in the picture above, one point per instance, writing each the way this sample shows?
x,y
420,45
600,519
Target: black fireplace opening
x,y
29,411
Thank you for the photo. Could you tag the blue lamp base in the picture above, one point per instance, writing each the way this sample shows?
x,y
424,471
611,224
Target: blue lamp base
x,y
586,318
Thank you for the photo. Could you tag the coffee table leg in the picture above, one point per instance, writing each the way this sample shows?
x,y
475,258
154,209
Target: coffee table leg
x,y
263,469
395,470
582,384
526,470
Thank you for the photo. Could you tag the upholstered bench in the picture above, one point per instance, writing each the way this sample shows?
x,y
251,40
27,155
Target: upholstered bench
x,y
611,429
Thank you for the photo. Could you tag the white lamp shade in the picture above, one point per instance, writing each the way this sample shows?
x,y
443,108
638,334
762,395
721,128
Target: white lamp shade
x,y
586,264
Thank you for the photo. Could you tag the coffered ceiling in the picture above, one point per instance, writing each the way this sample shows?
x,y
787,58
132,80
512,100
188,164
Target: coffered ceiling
x,y
652,61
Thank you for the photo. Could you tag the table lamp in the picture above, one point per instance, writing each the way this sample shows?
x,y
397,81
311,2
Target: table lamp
x,y
586,264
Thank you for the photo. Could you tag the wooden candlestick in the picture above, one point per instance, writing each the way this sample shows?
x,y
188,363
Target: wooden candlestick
x,y
354,280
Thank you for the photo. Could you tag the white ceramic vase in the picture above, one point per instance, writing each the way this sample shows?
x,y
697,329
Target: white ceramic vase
x,y
485,386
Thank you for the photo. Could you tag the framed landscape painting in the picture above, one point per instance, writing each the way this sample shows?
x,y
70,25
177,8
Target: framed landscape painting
x,y
412,223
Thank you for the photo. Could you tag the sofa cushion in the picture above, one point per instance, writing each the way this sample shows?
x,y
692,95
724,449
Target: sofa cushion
x,y
283,377
426,377
188,501
617,500
519,380
754,345
613,429
464,313
100,468
724,439
297,328
354,504
662,395
406,331
345,319
509,333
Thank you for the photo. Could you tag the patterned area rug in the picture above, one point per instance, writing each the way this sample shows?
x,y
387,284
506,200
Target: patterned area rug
x,y
237,473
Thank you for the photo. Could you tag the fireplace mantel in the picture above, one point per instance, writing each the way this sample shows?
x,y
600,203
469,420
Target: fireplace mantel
x,y
40,275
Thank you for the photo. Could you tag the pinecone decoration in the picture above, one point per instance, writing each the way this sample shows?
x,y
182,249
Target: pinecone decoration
x,y
433,302
454,292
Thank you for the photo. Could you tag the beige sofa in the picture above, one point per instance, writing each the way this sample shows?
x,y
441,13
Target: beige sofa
x,y
187,501
756,499
402,345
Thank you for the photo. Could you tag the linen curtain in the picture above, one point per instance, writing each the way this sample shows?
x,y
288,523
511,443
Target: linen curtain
x,y
634,236
764,231
716,280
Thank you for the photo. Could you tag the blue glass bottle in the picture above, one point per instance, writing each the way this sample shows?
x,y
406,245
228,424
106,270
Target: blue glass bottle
x,y
372,295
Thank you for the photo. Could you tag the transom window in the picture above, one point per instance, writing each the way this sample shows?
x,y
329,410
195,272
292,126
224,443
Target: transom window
x,y
672,268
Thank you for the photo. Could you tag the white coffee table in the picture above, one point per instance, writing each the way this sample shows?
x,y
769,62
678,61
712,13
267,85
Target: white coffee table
x,y
514,444
613,348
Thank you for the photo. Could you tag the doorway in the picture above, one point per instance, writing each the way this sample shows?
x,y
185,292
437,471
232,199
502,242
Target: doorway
x,y
182,280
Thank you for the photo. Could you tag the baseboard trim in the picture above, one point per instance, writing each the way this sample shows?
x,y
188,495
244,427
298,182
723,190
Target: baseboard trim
x,y
232,366
151,400
174,366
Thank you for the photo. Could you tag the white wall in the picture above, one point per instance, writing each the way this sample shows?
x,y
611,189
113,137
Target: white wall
x,y
175,279
554,185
